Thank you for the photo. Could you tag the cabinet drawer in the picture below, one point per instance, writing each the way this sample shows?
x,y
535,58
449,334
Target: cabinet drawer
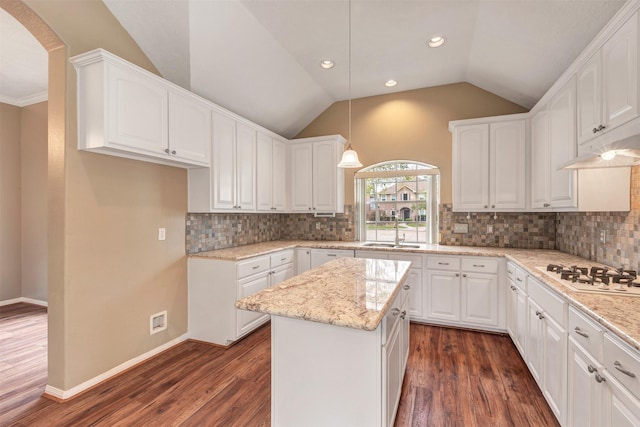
x,y
586,333
372,254
443,263
252,266
521,279
416,260
551,304
480,265
623,363
282,258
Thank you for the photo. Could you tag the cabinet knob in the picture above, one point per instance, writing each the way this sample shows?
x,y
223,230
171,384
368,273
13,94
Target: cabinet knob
x,y
486,206
591,369
601,127
457,274
546,205
595,130
493,206
464,275
404,314
599,378
166,150
173,152
309,208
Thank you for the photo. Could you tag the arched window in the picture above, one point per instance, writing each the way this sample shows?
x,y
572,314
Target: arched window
x,y
402,192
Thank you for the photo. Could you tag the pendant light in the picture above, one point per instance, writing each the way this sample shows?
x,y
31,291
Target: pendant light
x,y
349,157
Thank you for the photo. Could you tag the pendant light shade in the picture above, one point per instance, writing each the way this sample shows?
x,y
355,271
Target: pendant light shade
x,y
349,157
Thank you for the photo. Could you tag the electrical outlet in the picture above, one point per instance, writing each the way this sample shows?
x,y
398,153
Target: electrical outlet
x,y
603,236
489,228
460,228
317,226
162,234
158,322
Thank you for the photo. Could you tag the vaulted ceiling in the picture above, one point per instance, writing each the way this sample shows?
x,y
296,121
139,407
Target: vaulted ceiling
x,y
260,58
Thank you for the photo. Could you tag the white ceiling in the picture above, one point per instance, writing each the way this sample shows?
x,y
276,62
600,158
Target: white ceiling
x,y
260,58
23,64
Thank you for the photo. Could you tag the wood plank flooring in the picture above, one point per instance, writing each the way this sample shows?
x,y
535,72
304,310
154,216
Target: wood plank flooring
x,y
454,378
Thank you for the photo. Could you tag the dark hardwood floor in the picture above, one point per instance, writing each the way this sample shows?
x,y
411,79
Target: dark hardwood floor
x,y
454,378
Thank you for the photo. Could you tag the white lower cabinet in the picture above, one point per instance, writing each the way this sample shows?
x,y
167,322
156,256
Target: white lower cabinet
x,y
517,307
414,283
215,286
464,291
584,393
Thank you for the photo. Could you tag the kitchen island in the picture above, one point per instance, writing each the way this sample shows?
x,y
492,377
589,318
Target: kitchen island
x,y
339,343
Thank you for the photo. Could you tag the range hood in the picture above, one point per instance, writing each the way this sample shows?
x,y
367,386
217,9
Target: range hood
x,y
623,153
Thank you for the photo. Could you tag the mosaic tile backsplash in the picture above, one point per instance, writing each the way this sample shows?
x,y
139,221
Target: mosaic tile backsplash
x,y
510,230
209,231
578,233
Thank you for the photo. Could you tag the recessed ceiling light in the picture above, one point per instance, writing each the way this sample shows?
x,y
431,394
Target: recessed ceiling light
x,y
436,41
327,64
390,83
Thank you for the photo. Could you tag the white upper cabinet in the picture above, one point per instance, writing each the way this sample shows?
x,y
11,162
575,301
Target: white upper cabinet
x,y
489,166
316,181
553,143
230,184
471,167
608,86
271,174
129,112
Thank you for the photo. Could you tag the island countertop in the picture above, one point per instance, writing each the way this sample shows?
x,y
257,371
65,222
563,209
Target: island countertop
x,y
351,292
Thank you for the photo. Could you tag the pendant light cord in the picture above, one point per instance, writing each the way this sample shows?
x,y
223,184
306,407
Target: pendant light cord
x,y
349,147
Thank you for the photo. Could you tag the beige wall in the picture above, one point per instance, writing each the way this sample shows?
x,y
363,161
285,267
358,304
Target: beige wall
x,y
411,125
34,201
10,271
107,271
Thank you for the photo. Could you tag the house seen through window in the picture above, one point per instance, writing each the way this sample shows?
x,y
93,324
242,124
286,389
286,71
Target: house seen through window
x,y
398,197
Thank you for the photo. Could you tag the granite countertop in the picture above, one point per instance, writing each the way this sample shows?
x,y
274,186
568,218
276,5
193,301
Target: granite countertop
x,y
620,314
352,292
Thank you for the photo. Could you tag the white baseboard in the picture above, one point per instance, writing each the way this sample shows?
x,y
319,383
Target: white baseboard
x,y
67,394
23,299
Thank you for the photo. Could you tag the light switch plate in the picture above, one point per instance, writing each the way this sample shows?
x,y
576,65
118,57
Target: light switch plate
x,y
162,234
460,228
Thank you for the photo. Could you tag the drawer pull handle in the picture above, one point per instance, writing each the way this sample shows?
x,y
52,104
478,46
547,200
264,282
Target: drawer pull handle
x,y
619,367
331,254
283,259
510,271
539,314
599,378
406,287
579,332
479,265
518,279
255,266
513,288
591,369
443,263
395,311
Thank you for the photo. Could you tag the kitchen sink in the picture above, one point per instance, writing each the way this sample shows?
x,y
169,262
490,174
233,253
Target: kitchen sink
x,y
390,245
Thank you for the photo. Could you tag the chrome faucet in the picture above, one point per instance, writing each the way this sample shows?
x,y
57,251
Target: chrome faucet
x,y
398,239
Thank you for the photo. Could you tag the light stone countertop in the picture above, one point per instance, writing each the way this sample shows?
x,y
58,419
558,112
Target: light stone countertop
x,y
620,314
351,292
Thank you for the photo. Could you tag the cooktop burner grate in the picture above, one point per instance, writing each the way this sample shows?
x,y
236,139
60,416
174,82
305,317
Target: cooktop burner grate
x,y
601,280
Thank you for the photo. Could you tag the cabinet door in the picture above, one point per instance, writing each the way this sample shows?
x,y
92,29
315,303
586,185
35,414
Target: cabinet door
x,y
245,167
507,165
223,164
535,341
137,111
620,75
512,307
393,373
248,320
281,274
414,280
264,172
554,369
443,300
405,324
301,176
279,174
479,299
320,256
584,393
521,323
540,160
303,260
189,129
589,98
325,164
471,168
562,143
621,408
